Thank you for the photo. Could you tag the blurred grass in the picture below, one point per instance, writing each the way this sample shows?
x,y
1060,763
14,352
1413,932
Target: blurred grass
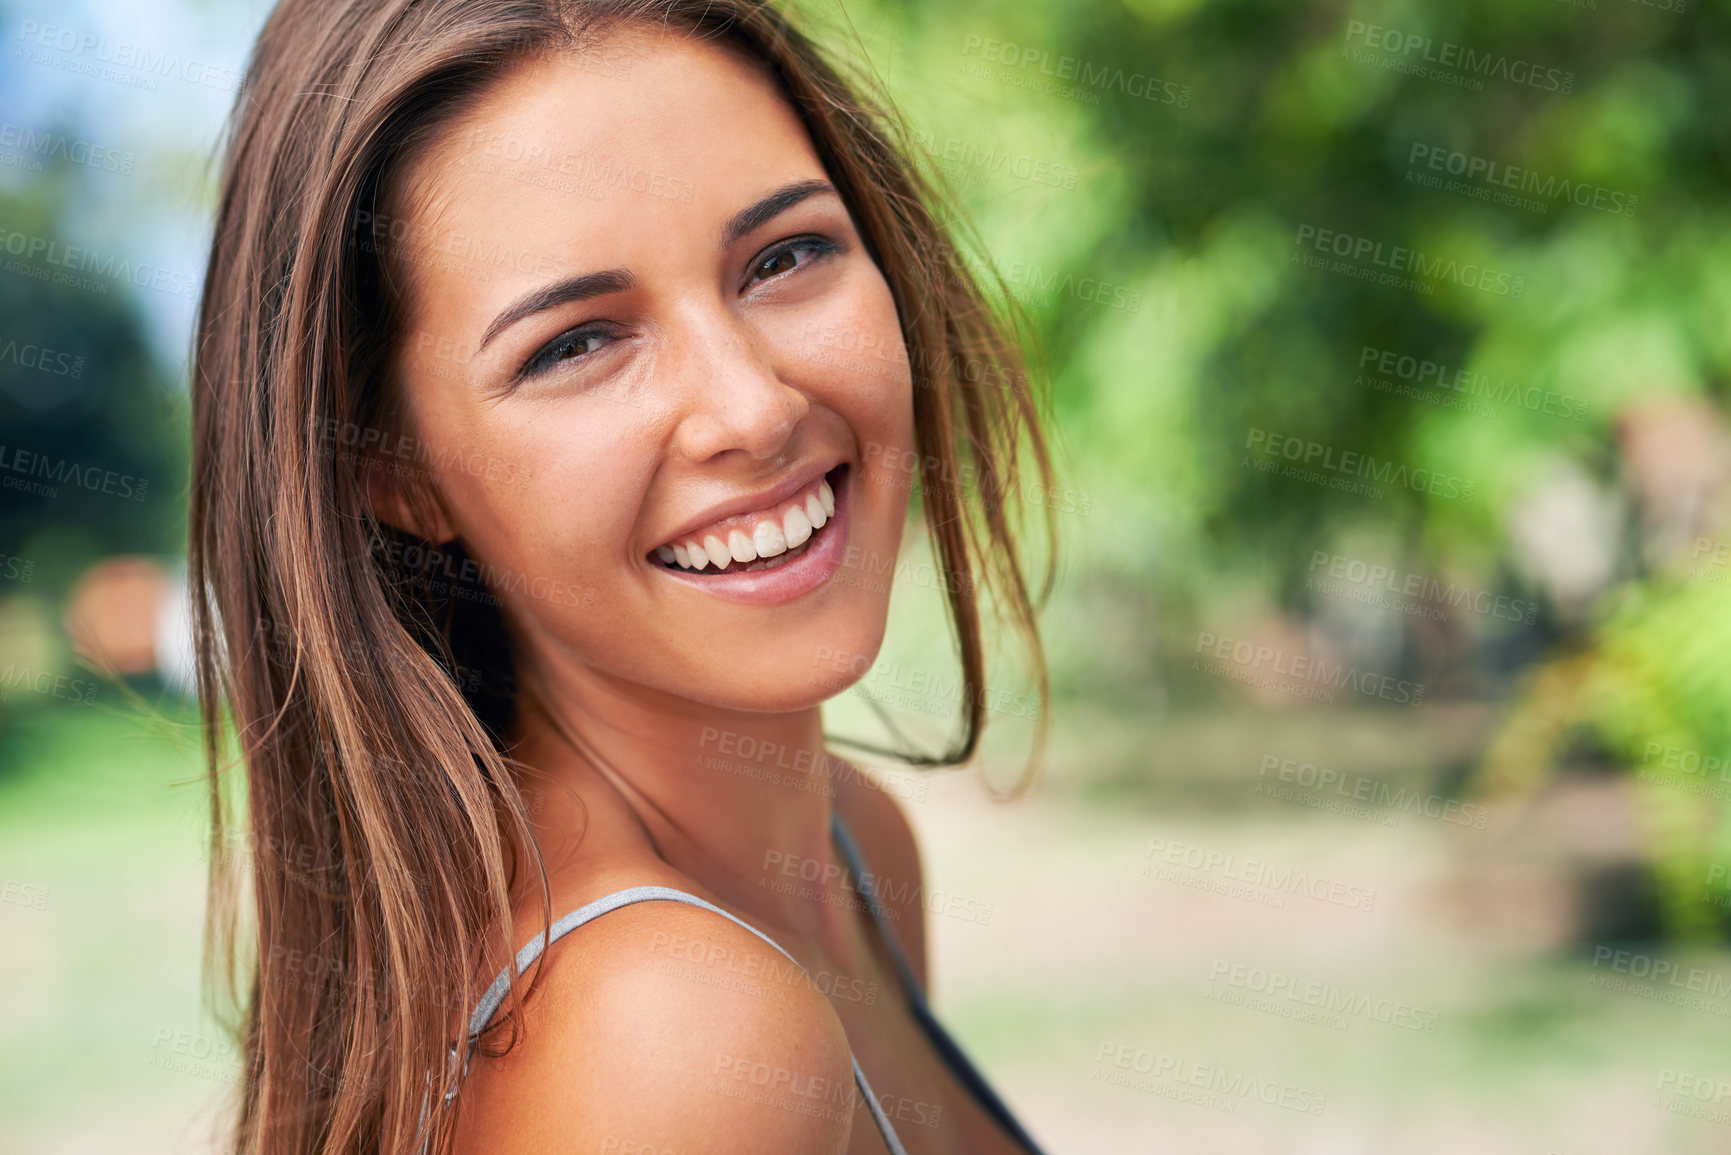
x,y
108,813
1531,1053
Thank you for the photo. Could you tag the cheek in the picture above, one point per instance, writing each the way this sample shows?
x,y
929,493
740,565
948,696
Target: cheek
x,y
538,494
850,341
874,387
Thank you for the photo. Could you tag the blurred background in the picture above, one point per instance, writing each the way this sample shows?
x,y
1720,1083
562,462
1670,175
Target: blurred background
x,y
1390,344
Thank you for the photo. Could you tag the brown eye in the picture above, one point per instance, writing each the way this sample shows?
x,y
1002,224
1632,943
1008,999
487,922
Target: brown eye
x,y
780,263
575,346
787,257
570,346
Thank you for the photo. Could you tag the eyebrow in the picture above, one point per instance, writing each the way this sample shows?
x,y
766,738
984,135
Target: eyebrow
x,y
581,288
770,207
559,293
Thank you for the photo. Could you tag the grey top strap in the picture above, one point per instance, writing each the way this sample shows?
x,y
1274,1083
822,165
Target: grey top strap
x,y
489,1005
946,1046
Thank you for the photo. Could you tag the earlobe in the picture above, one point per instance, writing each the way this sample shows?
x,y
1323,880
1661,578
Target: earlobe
x,y
407,507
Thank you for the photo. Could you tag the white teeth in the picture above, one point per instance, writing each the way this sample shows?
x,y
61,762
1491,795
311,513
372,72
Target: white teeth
x,y
769,539
798,527
741,548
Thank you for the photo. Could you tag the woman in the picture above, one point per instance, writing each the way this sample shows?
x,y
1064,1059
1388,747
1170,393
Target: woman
x,y
557,368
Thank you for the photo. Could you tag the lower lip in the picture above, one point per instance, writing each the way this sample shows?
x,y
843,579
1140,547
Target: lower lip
x,y
794,579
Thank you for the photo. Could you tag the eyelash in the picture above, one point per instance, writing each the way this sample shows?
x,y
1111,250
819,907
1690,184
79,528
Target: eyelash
x,y
821,246
549,354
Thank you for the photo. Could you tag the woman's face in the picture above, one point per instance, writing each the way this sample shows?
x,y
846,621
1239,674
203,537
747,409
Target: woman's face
x,y
630,286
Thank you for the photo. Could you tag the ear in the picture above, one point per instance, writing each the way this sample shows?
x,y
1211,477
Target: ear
x,y
404,504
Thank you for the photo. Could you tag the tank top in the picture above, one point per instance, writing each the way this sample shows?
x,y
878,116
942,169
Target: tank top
x,y
946,1047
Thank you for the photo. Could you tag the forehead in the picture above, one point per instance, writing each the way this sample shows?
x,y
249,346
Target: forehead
x,y
581,161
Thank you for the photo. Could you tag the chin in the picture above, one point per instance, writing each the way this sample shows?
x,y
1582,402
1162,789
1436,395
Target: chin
x,y
804,671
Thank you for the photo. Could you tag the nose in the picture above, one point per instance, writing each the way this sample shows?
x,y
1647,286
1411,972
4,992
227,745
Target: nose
x,y
733,400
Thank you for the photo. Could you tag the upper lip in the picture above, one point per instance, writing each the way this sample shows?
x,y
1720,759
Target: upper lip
x,y
750,502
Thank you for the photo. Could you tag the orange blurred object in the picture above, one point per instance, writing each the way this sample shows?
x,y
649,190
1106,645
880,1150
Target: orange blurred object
x,y
111,614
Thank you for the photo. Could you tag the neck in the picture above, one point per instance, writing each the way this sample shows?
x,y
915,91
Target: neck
x,y
728,798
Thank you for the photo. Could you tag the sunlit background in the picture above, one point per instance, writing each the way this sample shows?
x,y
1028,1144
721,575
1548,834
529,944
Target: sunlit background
x,y
1390,346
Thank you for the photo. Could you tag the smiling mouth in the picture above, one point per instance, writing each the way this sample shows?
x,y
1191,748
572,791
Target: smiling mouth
x,y
752,542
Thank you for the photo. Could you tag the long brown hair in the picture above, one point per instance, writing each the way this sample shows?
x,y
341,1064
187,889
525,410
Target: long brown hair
x,y
367,706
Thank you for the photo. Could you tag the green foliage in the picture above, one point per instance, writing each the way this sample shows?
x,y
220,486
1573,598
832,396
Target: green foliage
x,y
87,411
1651,689
1596,195
1196,203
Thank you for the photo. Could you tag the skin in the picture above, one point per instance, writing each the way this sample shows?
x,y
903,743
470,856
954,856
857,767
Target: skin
x,y
705,385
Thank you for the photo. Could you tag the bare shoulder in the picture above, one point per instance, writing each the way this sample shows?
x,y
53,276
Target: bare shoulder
x,y
892,853
665,1027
